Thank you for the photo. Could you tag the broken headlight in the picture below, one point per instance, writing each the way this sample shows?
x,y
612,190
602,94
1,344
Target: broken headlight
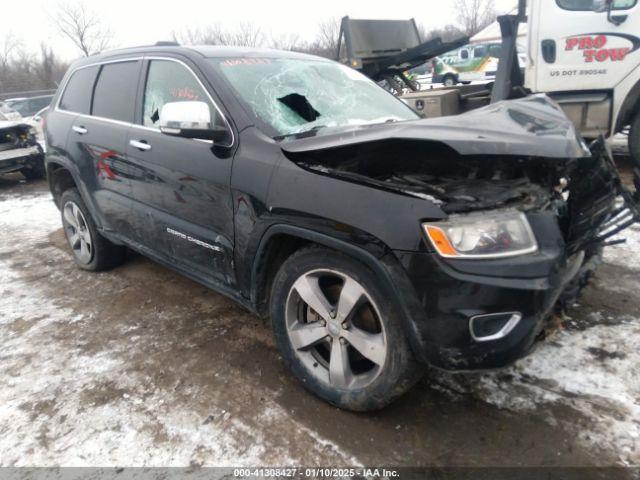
x,y
486,235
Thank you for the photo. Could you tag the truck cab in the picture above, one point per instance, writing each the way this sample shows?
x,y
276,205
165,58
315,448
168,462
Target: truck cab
x,y
586,55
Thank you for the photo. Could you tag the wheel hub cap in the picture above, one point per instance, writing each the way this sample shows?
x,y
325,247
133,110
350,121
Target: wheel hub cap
x,y
77,232
335,329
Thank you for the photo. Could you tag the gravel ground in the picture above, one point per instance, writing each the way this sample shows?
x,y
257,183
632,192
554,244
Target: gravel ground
x,y
142,367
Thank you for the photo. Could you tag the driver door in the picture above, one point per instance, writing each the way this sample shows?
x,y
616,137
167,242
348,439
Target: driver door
x,y
181,187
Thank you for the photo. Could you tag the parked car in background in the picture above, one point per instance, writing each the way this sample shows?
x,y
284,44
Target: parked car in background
x,y
422,74
20,150
8,114
37,122
472,63
28,107
377,241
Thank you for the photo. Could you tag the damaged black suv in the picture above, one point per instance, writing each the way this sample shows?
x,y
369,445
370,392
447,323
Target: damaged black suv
x,y
376,241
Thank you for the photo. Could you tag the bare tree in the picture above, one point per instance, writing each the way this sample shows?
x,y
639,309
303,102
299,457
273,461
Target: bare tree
x,y
212,35
49,70
244,35
22,70
290,42
328,33
447,33
474,15
9,48
83,27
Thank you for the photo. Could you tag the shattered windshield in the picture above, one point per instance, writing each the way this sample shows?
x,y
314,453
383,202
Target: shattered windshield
x,y
295,96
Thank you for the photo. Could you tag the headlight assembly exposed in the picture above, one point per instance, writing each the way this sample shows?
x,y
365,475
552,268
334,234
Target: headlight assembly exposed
x,y
486,235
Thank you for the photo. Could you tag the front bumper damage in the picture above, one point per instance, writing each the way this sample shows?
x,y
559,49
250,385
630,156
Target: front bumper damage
x,y
518,154
18,148
447,295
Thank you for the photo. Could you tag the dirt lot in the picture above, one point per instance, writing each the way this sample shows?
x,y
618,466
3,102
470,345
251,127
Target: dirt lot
x,y
140,366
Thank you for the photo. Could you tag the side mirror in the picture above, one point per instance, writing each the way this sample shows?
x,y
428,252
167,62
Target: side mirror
x,y
187,119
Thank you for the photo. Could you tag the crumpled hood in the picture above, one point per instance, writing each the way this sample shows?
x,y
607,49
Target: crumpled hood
x,y
532,126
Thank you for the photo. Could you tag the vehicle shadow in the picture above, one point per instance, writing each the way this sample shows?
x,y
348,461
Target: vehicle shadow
x,y
15,182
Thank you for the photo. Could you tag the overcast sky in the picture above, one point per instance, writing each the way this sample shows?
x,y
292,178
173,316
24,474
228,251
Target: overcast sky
x,y
140,22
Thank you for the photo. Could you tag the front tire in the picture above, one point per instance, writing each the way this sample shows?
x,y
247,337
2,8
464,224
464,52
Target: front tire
x,y
634,141
91,250
338,332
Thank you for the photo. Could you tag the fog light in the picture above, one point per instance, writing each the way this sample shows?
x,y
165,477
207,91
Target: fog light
x,y
493,326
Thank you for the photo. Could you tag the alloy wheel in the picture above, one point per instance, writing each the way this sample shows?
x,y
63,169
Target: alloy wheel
x,y
335,329
77,232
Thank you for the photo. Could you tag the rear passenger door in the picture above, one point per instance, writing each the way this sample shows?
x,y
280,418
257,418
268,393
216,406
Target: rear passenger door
x,y
98,138
182,193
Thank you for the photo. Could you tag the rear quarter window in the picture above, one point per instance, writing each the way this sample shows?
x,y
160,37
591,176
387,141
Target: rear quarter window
x,y
77,94
115,91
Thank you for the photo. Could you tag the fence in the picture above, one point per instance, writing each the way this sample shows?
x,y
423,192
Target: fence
x,y
26,93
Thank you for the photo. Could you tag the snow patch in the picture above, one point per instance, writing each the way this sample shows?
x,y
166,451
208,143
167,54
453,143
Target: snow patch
x,y
626,254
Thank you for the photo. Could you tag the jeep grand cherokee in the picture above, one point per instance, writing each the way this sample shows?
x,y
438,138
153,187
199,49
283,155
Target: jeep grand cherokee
x,y
376,241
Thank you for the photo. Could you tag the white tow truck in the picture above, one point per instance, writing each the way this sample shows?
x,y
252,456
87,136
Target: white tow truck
x,y
586,55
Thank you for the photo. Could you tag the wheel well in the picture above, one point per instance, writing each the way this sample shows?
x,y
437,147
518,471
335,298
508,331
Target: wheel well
x,y
278,249
630,107
60,180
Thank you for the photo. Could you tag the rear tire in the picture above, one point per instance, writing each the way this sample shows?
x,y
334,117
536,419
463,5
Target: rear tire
x,y
91,250
349,348
634,141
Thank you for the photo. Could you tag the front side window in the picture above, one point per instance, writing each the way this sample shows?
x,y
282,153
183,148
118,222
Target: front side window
x,y
77,94
588,5
297,95
169,81
115,91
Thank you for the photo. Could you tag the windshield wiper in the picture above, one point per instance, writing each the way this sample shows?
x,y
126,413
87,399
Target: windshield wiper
x,y
301,132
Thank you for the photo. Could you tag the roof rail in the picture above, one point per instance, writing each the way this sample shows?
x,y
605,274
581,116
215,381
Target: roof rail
x,y
165,43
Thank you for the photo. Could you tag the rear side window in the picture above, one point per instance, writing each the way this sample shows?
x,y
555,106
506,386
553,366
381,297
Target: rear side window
x,y
77,94
115,91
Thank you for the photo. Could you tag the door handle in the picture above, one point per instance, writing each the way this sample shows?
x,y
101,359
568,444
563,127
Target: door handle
x,y
140,145
79,130
549,50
